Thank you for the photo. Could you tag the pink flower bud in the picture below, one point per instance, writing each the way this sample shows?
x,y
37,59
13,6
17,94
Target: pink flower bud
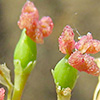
x,y
29,7
29,18
83,44
35,29
27,21
66,40
2,93
84,62
87,44
94,47
46,26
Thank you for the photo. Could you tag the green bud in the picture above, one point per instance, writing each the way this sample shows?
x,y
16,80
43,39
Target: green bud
x,y
24,61
25,50
64,74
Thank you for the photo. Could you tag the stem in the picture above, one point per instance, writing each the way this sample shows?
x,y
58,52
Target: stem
x,y
97,91
64,94
67,56
9,94
20,81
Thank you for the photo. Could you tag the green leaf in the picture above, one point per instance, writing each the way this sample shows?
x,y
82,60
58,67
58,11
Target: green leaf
x,y
26,70
5,78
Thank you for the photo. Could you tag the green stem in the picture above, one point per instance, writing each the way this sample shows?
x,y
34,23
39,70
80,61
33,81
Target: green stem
x,y
97,91
9,94
20,80
24,62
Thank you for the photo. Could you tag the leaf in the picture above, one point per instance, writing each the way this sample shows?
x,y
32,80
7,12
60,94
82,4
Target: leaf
x,y
5,78
20,70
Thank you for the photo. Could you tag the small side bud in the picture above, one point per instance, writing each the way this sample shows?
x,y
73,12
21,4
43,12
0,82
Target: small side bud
x,y
46,26
2,93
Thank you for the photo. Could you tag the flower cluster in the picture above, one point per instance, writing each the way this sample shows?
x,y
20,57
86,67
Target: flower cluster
x,y
80,58
36,29
2,93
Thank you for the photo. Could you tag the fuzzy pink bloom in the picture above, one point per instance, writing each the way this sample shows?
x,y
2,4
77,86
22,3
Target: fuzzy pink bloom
x,y
29,16
66,40
27,21
46,25
29,7
2,93
35,29
82,45
84,62
94,47
88,44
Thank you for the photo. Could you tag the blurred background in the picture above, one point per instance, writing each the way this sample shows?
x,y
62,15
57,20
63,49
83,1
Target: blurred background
x,y
84,15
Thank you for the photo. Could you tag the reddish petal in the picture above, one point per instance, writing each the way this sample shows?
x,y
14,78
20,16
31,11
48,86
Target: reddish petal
x,y
46,26
83,43
29,18
66,40
38,36
27,21
2,93
29,7
88,45
94,47
84,63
